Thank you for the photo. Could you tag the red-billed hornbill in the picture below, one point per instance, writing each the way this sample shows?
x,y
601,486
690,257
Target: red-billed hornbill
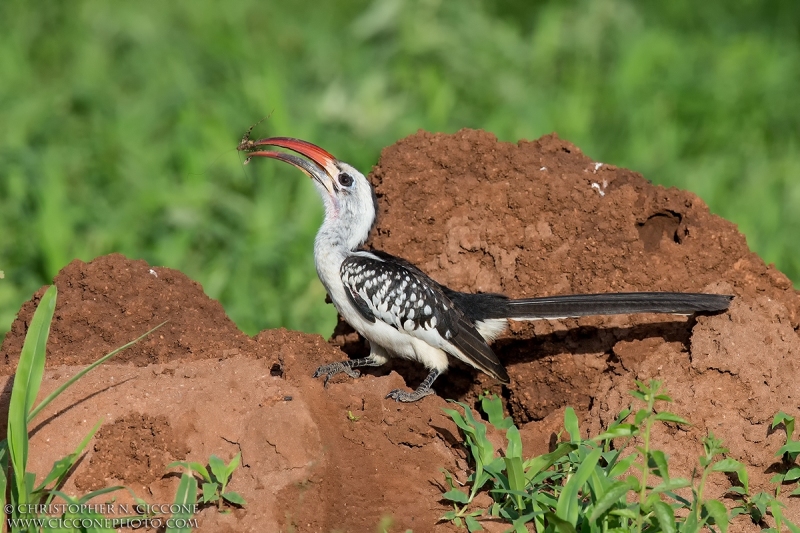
x,y
404,313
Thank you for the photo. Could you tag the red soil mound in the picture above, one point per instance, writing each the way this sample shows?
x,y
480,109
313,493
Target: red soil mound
x,y
526,219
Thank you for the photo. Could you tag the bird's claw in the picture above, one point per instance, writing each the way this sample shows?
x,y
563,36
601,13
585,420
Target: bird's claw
x,y
400,395
332,369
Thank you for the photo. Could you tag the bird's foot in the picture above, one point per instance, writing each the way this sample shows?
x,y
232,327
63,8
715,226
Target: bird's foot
x,y
423,390
348,367
407,397
332,369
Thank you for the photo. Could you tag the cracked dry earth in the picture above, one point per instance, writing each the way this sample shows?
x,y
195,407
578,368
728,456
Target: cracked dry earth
x,y
527,219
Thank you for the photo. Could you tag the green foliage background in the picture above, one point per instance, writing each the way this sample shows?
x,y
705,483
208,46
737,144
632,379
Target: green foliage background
x,y
120,120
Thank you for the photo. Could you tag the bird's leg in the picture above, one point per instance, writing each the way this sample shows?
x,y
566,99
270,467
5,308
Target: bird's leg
x,y
423,390
348,367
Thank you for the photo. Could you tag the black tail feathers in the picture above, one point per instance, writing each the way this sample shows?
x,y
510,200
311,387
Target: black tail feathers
x,y
488,306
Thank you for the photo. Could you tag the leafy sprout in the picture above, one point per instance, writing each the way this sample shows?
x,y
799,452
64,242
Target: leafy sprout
x,y
615,481
214,480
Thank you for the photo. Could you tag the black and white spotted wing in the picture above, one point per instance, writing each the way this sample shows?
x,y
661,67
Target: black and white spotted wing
x,y
390,289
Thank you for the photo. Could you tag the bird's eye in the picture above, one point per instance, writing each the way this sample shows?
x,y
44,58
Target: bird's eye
x,y
345,180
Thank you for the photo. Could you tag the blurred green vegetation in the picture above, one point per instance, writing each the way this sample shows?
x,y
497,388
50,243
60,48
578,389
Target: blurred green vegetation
x,y
120,120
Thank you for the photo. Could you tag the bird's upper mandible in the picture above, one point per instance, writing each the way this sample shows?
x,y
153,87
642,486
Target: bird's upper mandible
x,y
350,202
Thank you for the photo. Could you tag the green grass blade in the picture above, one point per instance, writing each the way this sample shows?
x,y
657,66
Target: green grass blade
x,y
34,349
493,407
66,497
538,518
516,479
561,525
622,466
26,386
535,465
620,430
139,501
571,424
192,465
519,523
459,420
3,472
85,371
568,502
614,494
99,492
503,491
186,498
514,448
30,479
484,447
61,468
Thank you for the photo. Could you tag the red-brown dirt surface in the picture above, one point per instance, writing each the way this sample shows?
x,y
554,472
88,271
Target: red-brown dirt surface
x,y
527,219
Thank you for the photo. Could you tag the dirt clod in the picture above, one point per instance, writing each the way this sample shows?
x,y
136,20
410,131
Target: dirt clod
x,y
134,449
111,300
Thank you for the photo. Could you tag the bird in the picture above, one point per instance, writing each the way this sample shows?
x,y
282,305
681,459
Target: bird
x,y
400,310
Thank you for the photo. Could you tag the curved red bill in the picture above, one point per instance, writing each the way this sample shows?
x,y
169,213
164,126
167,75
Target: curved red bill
x,y
311,151
310,167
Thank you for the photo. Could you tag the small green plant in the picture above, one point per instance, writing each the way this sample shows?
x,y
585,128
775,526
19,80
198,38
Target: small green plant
x,y
386,524
761,504
788,454
186,502
16,484
214,480
588,485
